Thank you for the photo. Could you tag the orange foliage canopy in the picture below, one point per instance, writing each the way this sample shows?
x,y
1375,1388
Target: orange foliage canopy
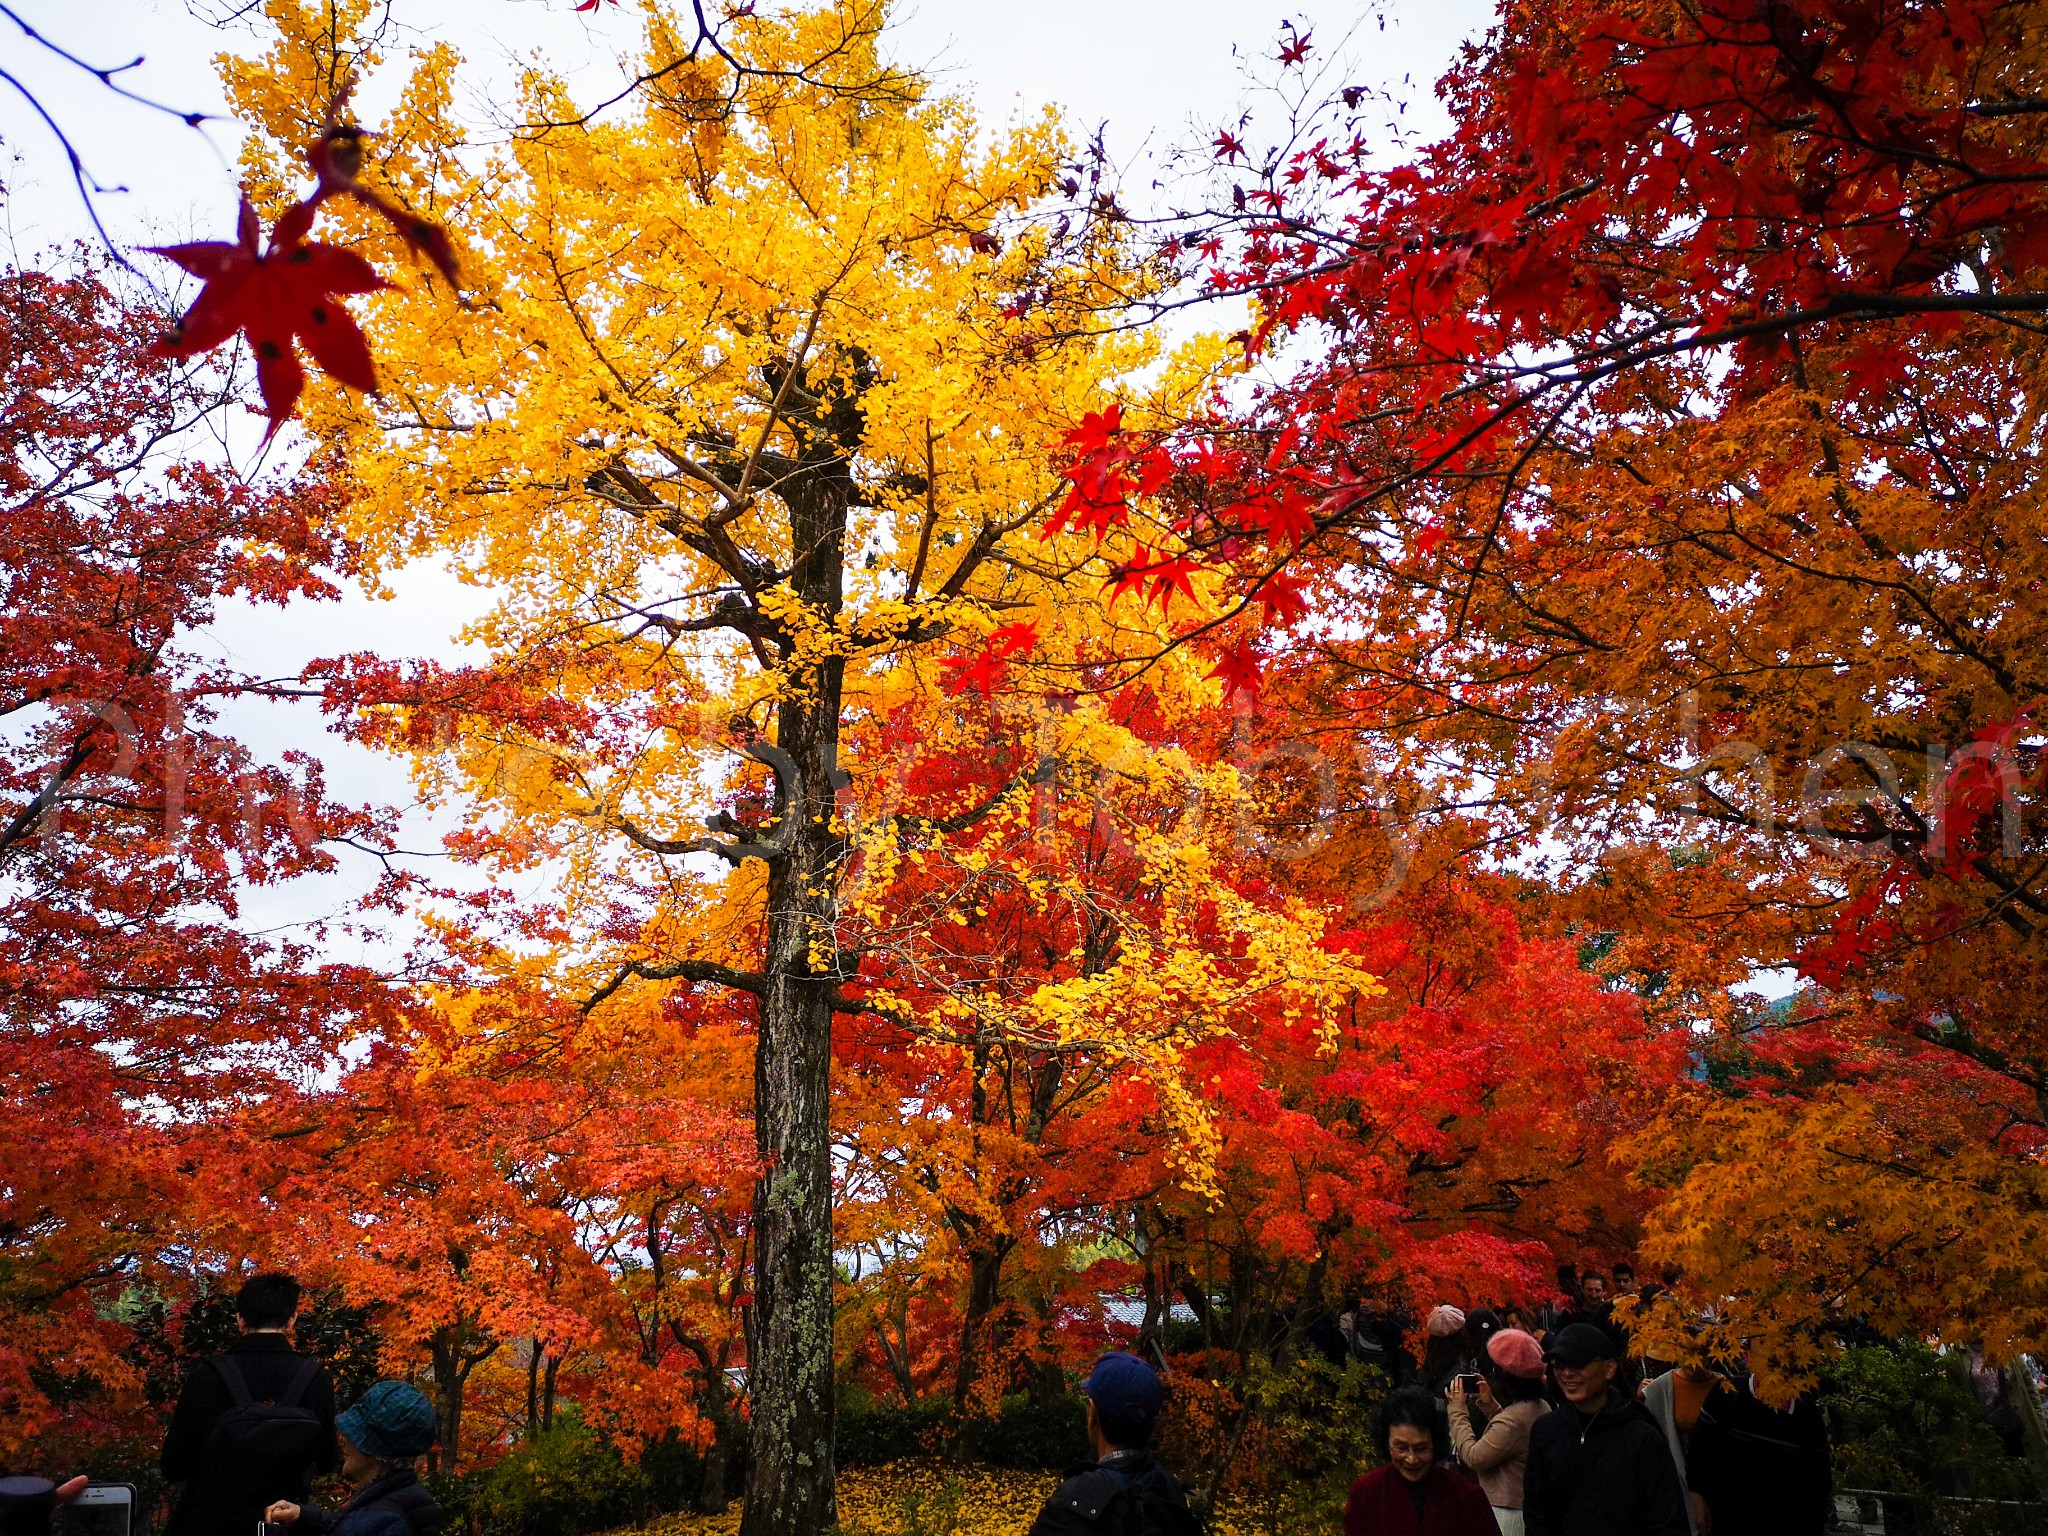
x,y
1671,475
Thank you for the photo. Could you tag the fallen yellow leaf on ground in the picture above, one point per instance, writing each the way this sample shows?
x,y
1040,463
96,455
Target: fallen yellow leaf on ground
x,y
931,1498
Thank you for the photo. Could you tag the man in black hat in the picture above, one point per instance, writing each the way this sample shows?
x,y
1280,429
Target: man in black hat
x,y
1598,1466
253,1425
1124,1490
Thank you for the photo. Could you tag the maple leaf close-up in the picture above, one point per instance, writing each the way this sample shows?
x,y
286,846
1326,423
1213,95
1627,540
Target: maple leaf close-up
x,y
1275,803
280,298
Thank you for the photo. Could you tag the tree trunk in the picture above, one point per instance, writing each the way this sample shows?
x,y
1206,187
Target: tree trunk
x,y
790,1470
449,1380
533,1358
984,1292
712,1496
896,1354
789,1487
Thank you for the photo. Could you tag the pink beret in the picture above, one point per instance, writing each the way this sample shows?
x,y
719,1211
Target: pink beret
x,y
1516,1353
1444,1322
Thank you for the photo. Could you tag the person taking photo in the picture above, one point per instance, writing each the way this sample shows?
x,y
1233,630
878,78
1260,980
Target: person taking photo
x,y
1509,1392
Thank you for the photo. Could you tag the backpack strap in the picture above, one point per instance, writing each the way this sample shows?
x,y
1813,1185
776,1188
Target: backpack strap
x,y
301,1380
231,1374
1090,1494
238,1384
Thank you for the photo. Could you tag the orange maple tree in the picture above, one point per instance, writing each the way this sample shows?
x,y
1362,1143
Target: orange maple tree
x,y
1664,478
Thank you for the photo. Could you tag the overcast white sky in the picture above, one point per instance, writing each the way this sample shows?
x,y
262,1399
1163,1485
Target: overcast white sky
x,y
1150,68
1157,72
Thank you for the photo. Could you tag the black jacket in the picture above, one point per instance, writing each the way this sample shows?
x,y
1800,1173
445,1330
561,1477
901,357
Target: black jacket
x,y
392,1506
267,1364
1763,1471
1077,1505
1611,1475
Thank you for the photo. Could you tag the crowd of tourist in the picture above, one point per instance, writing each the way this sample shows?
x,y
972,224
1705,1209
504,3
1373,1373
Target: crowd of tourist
x,y
1568,1431
1511,1423
1540,1422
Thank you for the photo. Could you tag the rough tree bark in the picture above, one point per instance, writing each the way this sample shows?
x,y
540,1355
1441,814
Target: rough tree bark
x,y
789,1330
790,1465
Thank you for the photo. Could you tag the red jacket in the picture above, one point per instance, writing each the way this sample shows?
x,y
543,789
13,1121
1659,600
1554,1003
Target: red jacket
x,y
1380,1505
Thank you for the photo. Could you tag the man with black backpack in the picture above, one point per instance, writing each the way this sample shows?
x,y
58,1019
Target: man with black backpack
x,y
253,1425
1124,1491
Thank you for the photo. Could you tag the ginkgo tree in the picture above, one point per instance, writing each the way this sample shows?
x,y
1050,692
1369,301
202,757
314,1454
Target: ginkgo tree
x,y
751,419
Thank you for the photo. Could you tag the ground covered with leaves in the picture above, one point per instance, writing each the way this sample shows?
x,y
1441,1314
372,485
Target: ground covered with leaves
x,y
934,1498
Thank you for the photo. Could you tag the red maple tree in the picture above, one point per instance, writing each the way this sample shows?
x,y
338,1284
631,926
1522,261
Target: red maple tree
x,y
139,1012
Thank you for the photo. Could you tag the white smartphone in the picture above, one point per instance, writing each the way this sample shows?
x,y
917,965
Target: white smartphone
x,y
104,1509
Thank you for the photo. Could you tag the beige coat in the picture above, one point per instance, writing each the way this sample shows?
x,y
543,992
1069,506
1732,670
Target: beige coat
x,y
1499,1455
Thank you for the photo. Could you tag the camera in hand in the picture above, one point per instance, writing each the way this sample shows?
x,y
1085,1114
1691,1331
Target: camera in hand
x,y
103,1509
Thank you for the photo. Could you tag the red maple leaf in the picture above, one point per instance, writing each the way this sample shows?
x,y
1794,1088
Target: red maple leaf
x,y
1280,596
1283,516
1007,640
276,298
1228,146
1098,430
981,672
1129,576
1172,577
985,671
1238,670
336,158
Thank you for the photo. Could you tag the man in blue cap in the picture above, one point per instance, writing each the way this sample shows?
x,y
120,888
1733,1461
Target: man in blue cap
x,y
1124,1491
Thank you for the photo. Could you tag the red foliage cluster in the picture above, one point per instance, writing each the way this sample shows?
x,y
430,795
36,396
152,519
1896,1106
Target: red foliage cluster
x,y
139,1014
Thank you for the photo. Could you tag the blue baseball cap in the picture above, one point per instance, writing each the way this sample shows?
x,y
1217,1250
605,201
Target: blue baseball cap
x,y
1125,1385
393,1421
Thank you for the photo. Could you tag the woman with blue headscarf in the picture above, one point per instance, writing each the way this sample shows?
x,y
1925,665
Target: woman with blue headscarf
x,y
382,1436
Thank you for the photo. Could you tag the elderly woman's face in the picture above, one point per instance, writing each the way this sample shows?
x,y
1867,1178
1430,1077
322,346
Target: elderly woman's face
x,y
1412,1450
356,1467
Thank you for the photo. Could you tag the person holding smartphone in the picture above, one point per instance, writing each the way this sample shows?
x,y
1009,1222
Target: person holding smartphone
x,y
1508,1389
382,1436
